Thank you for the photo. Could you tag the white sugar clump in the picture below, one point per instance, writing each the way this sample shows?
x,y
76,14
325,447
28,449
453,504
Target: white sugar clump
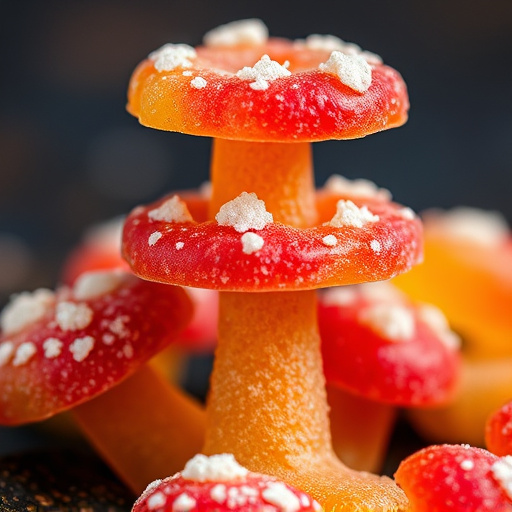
x,y
486,228
244,212
156,500
219,493
281,496
251,242
467,465
198,82
24,353
263,72
179,246
72,316
81,348
96,283
171,210
436,320
502,471
352,70
183,503
6,352
243,32
52,348
391,321
360,188
216,468
329,240
154,237
375,246
348,214
172,56
24,309
339,296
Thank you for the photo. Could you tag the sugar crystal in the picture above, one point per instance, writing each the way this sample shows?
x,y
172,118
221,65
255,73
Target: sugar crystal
x,y
281,496
242,32
24,353
81,347
348,214
95,283
172,56
352,70
264,71
171,210
72,316
216,468
251,242
391,321
52,348
244,212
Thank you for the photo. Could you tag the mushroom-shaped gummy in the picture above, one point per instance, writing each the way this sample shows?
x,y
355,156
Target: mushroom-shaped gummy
x,y
406,357
264,101
498,431
456,478
220,483
84,348
467,273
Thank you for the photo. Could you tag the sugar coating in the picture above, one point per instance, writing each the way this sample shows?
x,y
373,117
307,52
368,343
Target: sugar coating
x,y
216,468
24,353
242,32
96,283
391,321
375,246
25,309
172,56
407,213
467,465
198,82
219,493
183,503
263,72
72,316
279,495
6,352
156,500
381,291
171,210
52,348
179,246
352,70
356,188
244,212
502,471
251,242
81,347
329,240
154,237
348,214
437,321
339,296
471,225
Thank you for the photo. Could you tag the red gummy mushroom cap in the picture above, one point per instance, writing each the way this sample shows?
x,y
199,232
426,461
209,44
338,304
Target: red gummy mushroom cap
x,y
268,89
498,431
357,240
456,478
377,344
219,483
60,349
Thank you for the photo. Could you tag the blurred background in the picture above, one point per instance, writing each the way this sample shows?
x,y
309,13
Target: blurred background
x,y
71,157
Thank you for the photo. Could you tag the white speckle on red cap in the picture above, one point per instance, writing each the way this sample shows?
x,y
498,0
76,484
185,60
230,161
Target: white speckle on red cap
x,y
392,321
118,326
81,347
375,246
502,471
6,352
242,32
216,468
171,210
467,465
436,320
244,212
352,70
156,500
52,348
329,240
279,495
154,237
356,188
251,242
198,82
179,245
73,316
264,71
24,353
172,56
183,503
219,493
407,213
93,284
25,309
348,214
339,296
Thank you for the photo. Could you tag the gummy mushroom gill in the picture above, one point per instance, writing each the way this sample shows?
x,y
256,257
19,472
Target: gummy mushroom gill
x,y
272,243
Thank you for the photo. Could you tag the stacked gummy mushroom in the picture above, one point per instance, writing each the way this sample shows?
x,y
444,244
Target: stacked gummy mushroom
x,y
269,242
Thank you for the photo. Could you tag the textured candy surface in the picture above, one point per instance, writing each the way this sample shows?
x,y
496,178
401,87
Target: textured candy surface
x,y
498,431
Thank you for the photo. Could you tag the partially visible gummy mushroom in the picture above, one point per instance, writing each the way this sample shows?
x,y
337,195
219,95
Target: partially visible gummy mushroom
x,y
84,348
220,483
498,431
264,101
381,352
456,478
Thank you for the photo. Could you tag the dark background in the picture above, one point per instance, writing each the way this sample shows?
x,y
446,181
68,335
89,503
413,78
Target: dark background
x,y
70,156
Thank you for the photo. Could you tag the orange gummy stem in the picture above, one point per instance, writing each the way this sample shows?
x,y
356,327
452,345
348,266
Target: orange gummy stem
x,y
155,444
267,403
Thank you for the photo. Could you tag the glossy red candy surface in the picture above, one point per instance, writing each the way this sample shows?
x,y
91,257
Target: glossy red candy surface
x,y
498,431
